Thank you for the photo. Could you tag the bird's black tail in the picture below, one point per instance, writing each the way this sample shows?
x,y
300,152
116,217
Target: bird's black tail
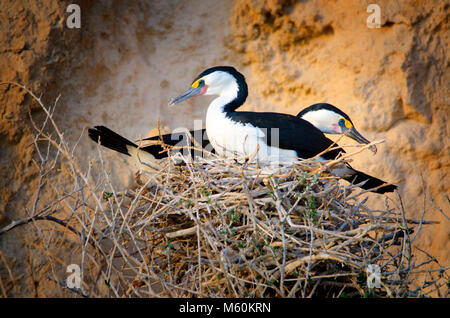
x,y
370,182
114,141
146,156
109,139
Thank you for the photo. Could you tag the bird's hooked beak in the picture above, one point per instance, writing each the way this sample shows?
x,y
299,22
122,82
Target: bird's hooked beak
x,y
198,88
354,134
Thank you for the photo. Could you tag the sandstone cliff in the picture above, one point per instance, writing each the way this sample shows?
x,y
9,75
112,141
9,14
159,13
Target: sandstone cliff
x,y
129,58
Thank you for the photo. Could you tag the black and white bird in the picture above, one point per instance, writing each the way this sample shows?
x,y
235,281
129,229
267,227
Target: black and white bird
x,y
326,117
280,137
331,120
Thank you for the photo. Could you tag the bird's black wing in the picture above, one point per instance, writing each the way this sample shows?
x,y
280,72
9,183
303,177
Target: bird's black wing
x,y
294,133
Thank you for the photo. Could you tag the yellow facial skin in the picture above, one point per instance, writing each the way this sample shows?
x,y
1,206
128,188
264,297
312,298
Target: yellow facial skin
x,y
348,124
195,84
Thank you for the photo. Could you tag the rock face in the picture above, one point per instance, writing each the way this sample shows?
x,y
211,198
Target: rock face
x,y
33,49
129,58
393,81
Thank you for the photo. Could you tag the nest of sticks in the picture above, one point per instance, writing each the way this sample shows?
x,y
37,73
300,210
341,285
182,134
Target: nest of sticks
x,y
219,228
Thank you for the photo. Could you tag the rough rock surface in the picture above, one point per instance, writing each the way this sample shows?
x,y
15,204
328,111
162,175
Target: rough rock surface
x,y
393,81
129,58
34,48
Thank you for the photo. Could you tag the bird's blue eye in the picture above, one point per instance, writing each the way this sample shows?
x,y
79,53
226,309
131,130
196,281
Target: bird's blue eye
x,y
341,122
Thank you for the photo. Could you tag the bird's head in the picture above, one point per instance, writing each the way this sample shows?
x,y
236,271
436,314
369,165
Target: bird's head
x,y
218,80
331,120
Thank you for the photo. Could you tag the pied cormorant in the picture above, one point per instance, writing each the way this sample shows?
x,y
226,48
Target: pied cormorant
x,y
280,137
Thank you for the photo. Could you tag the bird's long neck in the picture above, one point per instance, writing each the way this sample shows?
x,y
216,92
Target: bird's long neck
x,y
225,103
231,97
218,110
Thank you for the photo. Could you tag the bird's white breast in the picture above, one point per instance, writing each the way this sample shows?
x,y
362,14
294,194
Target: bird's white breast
x,y
235,139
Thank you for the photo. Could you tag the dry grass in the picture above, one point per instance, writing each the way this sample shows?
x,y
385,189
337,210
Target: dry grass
x,y
217,228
